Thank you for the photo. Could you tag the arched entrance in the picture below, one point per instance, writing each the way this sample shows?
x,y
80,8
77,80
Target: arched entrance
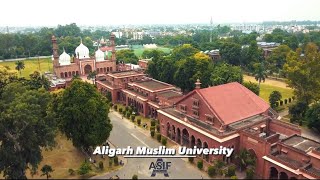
x,y
168,130
193,141
283,175
87,69
199,145
206,157
178,136
273,173
185,138
173,134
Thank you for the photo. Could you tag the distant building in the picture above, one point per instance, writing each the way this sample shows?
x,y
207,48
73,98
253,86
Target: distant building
x,y
268,47
213,54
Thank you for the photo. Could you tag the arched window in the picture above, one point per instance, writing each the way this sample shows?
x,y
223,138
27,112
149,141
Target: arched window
x,y
61,75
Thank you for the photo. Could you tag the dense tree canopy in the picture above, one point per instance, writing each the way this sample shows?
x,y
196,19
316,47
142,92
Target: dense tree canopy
x,y
224,73
83,114
303,73
127,56
26,126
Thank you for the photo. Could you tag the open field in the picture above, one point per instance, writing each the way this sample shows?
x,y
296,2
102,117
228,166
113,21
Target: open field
x,y
31,66
271,85
138,52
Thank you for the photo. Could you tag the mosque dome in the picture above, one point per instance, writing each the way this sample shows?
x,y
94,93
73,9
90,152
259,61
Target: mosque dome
x,y
82,52
99,55
64,58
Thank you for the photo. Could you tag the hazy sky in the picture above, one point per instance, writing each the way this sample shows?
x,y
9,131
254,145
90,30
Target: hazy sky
x,y
104,12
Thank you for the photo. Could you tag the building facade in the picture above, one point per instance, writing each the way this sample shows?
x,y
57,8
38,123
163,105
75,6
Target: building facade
x,y
134,88
232,116
82,64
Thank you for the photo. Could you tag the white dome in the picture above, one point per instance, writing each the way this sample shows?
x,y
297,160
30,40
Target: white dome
x,y
64,58
99,55
82,52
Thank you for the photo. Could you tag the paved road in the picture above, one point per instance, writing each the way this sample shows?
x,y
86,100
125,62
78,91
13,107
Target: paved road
x,y
125,134
22,59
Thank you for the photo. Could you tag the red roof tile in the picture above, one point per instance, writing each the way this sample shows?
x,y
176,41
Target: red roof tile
x,y
233,102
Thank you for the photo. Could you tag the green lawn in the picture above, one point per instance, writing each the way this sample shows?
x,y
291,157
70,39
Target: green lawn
x,y
138,52
31,66
266,89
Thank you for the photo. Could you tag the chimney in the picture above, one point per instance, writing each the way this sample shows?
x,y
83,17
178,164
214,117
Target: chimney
x,y
198,83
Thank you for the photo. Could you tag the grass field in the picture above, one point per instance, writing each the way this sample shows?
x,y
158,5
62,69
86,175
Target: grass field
x,y
138,52
271,85
65,156
31,66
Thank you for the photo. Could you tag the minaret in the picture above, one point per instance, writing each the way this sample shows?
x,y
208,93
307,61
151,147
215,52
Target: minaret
x,y
113,51
55,51
211,22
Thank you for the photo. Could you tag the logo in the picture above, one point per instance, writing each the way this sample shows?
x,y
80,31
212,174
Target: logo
x,y
160,166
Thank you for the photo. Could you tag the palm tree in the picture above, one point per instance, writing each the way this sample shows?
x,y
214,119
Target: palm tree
x,y
92,75
20,66
260,73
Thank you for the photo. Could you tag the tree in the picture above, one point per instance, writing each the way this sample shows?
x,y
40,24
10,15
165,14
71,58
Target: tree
x,y
92,75
252,87
83,114
278,58
6,76
183,52
224,73
274,97
200,164
303,73
230,53
46,170
26,127
313,116
260,73
19,66
245,159
212,171
298,111
85,168
37,81
127,56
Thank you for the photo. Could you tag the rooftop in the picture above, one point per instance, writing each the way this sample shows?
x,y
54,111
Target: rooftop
x,y
197,122
233,102
289,160
125,73
247,121
301,143
152,84
170,94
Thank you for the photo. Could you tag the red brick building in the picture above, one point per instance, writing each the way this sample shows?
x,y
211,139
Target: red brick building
x,y
134,88
230,115
66,67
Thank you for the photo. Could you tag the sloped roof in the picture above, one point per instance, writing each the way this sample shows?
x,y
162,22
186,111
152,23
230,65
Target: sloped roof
x,y
233,102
